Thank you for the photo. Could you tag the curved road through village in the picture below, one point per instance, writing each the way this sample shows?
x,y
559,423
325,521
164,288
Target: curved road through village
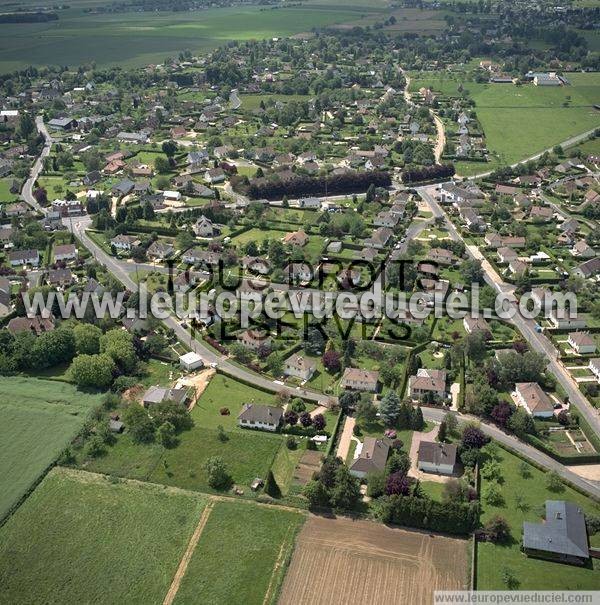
x,y
123,273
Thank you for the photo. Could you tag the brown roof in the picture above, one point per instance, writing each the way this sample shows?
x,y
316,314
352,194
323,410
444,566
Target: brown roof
x,y
534,396
373,455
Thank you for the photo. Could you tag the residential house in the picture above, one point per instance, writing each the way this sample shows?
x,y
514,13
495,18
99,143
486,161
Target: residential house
x,y
379,238
594,367
160,250
204,227
438,458
296,238
531,396
476,324
36,325
589,268
125,242
426,383
65,252
506,255
264,417
60,277
299,366
441,256
372,458
214,175
386,219
564,321
541,213
582,249
360,380
561,537
123,188
254,340
18,258
158,394
582,342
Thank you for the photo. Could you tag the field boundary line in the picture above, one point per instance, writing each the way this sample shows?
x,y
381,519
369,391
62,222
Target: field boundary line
x,y
286,547
187,555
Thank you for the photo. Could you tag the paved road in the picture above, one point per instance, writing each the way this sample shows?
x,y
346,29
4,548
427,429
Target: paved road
x,y
591,487
27,192
568,143
527,327
122,271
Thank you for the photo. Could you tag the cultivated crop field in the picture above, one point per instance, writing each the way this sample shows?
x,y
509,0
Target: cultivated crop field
x,y
134,38
81,539
344,561
38,418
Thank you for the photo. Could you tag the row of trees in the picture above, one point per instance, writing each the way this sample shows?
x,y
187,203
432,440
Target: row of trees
x,y
332,184
428,173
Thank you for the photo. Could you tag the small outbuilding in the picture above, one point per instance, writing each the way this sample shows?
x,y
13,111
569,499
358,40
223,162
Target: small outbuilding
x,y
191,361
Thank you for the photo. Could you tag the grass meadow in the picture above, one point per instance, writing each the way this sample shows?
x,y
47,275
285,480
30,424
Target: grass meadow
x,y
80,538
240,555
523,497
38,418
520,121
247,454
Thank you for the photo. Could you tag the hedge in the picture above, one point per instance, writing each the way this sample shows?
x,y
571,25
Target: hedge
x,y
424,513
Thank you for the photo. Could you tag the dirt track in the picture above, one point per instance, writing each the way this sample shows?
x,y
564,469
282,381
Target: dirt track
x,y
348,562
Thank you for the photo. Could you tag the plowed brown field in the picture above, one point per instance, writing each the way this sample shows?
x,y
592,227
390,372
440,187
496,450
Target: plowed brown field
x,y
343,561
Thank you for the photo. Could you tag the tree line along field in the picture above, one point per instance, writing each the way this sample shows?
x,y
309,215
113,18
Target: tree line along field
x,y
520,121
135,39
82,538
38,418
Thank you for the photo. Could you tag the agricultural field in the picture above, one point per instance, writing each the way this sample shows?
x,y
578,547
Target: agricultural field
x,y
79,538
523,494
360,561
520,121
38,418
134,38
240,556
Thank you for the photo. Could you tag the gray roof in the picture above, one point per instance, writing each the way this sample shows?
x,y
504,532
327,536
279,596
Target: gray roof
x,y
563,532
437,453
160,394
265,414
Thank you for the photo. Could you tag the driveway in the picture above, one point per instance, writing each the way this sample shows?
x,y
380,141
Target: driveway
x,y
346,438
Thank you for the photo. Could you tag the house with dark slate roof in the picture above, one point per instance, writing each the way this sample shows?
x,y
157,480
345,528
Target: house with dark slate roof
x,y
562,537
265,417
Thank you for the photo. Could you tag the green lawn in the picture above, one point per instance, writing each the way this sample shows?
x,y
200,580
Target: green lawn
x,y
529,493
38,418
83,539
247,454
235,560
5,194
226,392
